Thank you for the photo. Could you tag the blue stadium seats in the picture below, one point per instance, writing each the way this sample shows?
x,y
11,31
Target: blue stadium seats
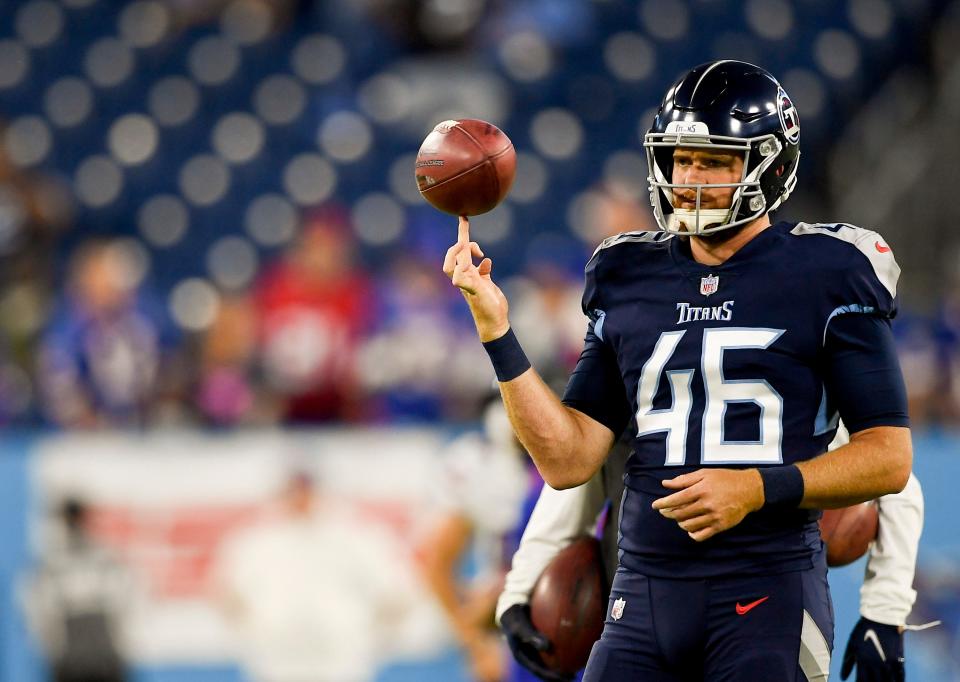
x,y
555,69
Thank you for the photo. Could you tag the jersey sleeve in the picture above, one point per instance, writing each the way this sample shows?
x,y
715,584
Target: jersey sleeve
x,y
862,373
596,387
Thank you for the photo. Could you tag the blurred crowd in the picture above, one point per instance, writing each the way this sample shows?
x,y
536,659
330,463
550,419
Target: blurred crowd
x,y
318,336
228,233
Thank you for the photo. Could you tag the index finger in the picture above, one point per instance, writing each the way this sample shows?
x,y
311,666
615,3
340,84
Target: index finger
x,y
463,231
683,480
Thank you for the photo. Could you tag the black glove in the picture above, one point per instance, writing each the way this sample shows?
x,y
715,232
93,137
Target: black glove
x,y
877,651
526,642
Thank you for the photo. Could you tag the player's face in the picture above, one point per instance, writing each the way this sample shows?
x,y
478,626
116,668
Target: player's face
x,y
703,167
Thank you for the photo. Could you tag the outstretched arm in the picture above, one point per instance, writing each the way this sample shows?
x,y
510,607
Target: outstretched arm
x,y
567,446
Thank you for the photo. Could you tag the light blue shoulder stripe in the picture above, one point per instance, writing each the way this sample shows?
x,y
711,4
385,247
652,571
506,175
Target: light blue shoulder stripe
x,y
843,310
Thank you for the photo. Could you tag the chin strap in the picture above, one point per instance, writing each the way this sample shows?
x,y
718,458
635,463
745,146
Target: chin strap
x,y
685,219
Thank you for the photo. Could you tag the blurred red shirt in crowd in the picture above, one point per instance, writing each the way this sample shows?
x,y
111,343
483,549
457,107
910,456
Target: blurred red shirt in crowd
x,y
314,305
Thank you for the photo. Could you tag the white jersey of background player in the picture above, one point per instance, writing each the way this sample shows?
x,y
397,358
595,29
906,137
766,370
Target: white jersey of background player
x,y
886,597
479,500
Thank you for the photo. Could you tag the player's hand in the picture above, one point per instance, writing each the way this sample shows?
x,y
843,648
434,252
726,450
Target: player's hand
x,y
526,642
877,652
486,301
710,501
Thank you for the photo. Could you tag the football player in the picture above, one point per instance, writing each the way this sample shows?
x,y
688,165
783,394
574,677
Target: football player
x,y
559,517
481,498
735,345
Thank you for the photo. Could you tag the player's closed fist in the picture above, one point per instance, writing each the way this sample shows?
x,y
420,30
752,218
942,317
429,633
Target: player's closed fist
x,y
527,643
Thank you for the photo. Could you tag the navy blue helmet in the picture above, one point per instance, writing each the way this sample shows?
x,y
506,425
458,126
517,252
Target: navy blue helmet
x,y
726,105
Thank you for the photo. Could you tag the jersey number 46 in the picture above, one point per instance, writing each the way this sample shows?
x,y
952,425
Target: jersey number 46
x,y
719,393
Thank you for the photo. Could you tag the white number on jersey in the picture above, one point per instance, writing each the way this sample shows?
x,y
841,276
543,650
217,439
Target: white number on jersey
x,y
719,393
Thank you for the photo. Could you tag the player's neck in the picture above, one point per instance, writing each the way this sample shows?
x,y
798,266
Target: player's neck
x,y
717,249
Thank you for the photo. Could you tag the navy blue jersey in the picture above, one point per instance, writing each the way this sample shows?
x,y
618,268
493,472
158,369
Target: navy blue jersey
x,y
724,366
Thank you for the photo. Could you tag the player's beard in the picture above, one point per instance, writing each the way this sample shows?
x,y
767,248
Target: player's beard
x,y
691,213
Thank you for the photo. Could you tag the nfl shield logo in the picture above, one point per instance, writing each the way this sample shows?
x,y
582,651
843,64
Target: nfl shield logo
x,y
708,285
617,611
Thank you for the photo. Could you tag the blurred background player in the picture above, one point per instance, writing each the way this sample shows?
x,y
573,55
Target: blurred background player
x,y
558,518
75,601
109,346
886,597
306,591
486,491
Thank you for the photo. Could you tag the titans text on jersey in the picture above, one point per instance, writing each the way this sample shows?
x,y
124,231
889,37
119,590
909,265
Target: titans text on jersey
x,y
694,313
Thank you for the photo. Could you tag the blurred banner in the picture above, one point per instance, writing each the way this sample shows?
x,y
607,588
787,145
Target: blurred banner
x,y
172,507
176,508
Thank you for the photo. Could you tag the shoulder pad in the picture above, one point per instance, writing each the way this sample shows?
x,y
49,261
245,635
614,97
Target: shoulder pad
x,y
592,305
637,236
868,242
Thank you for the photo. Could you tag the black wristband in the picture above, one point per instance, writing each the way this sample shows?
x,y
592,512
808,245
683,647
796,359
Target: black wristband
x,y
506,354
782,486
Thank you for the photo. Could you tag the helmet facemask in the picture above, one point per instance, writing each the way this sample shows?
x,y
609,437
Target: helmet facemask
x,y
748,201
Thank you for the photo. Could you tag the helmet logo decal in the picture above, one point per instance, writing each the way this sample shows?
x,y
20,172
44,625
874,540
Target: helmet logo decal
x,y
789,119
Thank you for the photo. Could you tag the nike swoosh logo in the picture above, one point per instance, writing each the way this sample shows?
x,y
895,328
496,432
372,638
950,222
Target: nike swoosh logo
x,y
871,636
881,248
752,605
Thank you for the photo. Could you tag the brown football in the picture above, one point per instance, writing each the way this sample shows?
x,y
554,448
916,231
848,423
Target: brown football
x,y
465,167
568,605
848,532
